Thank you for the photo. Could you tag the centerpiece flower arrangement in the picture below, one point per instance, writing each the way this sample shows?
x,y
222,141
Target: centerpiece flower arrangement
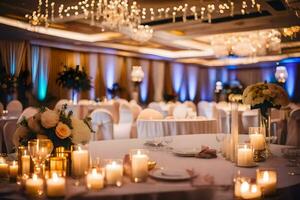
x,y
75,79
58,125
264,96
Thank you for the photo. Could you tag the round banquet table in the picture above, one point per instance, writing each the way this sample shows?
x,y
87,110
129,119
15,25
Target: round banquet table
x,y
165,127
214,180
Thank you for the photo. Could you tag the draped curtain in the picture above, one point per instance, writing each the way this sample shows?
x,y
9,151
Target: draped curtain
x,y
13,55
158,72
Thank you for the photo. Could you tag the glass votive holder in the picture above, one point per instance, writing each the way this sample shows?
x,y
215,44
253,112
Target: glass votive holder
x,y
24,161
3,168
114,172
80,161
267,180
13,170
95,179
56,185
139,165
244,155
58,165
237,185
34,186
258,143
250,190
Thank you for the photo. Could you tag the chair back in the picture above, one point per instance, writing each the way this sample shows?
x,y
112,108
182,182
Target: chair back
x,y
136,110
180,111
150,114
155,106
102,124
8,131
191,105
249,119
293,136
28,112
126,114
84,102
204,109
14,108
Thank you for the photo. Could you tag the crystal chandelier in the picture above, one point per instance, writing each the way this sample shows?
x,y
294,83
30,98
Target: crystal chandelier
x,y
254,43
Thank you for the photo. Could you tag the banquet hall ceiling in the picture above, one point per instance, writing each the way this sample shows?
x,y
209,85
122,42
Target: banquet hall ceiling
x,y
187,42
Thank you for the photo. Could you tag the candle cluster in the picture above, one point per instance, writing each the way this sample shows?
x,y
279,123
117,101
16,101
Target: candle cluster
x,y
265,184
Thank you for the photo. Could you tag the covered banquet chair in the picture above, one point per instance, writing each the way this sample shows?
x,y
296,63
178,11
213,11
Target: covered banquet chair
x,y
14,108
293,134
102,124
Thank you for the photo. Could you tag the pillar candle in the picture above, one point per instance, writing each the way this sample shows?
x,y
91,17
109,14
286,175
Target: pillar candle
x,y
245,156
139,166
95,180
3,168
34,186
257,141
80,162
56,186
250,191
25,163
13,170
267,179
113,173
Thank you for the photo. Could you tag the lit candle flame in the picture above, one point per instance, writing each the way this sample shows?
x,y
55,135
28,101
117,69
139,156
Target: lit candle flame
x,y
266,176
245,186
254,189
55,176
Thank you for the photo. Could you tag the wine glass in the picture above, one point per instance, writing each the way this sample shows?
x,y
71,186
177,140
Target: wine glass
x,y
220,137
39,151
168,140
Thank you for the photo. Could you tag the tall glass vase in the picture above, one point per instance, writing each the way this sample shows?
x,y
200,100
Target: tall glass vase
x,y
234,130
265,123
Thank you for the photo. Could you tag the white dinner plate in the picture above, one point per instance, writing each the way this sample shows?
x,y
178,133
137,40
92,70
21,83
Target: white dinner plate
x,y
171,174
186,152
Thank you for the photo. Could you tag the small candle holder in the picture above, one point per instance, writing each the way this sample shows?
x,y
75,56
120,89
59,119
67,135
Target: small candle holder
x,y
56,186
34,186
114,172
139,165
58,165
245,155
13,171
246,188
267,179
258,143
3,168
95,179
80,162
61,152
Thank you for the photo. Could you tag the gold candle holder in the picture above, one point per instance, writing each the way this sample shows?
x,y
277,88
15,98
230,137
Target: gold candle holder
x,y
58,165
61,152
259,155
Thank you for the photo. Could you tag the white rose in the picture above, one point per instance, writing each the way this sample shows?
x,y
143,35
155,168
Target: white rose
x,y
49,119
80,132
20,133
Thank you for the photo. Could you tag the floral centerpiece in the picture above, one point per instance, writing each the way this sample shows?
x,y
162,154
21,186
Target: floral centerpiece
x,y
58,125
75,79
264,96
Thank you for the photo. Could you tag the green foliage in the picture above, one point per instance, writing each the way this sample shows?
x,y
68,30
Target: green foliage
x,y
74,78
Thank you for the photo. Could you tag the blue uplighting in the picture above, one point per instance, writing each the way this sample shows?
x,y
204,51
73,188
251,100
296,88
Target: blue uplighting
x,y
34,62
177,73
42,77
289,60
192,82
290,82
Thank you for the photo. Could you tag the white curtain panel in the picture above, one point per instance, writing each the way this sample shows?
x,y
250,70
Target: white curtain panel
x,y
93,65
158,72
13,55
177,74
144,85
111,69
192,72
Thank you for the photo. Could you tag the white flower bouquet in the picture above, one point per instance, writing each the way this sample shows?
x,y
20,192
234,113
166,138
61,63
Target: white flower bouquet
x,y
264,96
58,125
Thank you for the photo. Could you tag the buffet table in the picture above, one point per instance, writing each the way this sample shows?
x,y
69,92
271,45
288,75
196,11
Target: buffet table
x,y
165,127
214,180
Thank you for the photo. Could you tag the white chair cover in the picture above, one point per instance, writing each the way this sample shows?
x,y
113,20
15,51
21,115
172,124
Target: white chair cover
x,y
28,112
8,132
60,103
293,135
102,124
223,121
207,109
180,112
191,105
136,109
14,108
156,106
249,119
150,114
126,115
1,109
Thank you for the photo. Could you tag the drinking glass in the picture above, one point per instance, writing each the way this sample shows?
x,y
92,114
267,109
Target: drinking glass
x,y
39,151
220,137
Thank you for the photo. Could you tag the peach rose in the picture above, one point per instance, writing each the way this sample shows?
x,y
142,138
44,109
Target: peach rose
x,y
62,130
49,119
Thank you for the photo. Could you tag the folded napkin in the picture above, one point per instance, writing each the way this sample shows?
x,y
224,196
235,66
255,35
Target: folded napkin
x,y
207,153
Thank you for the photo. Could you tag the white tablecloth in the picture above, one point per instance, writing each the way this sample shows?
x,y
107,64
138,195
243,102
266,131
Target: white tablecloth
x,y
214,175
157,128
